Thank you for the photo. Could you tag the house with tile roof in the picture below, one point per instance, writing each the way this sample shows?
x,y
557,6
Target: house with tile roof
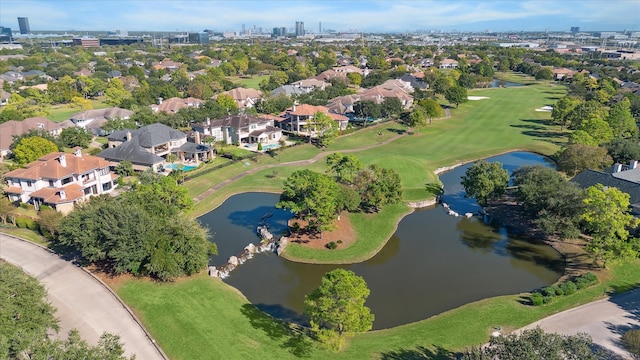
x,y
240,129
244,97
172,105
299,119
448,64
60,180
308,85
13,128
148,147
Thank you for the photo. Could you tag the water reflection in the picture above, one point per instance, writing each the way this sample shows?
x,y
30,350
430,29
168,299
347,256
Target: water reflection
x,y
434,262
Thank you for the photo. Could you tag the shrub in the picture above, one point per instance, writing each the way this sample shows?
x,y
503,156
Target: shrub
x,y
536,299
558,290
339,241
549,291
631,341
295,227
569,287
547,299
26,223
332,245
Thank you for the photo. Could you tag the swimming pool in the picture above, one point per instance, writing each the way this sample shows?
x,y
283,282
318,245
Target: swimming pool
x,y
184,167
270,146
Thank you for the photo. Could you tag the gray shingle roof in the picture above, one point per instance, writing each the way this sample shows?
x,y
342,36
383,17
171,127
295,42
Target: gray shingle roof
x,y
131,151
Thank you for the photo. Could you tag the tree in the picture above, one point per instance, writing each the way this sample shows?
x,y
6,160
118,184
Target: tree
x,y
554,204
227,103
345,167
608,220
81,103
467,81
367,109
378,186
456,95
116,93
484,180
354,78
75,136
325,128
417,117
432,109
576,158
624,150
25,316
535,344
311,196
561,110
124,168
544,73
336,308
31,148
621,121
597,130
391,106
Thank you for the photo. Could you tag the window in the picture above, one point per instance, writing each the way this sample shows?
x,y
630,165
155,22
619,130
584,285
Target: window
x,y
104,171
51,183
67,180
29,183
106,186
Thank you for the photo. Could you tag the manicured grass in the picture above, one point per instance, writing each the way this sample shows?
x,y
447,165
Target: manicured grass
x,y
248,82
372,231
203,318
59,113
27,234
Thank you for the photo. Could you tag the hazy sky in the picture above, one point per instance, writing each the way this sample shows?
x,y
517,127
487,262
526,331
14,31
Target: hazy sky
x,y
362,15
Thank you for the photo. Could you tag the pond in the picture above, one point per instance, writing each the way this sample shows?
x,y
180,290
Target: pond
x,y
503,83
433,262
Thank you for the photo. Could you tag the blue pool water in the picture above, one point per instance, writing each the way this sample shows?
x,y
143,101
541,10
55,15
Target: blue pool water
x,y
184,167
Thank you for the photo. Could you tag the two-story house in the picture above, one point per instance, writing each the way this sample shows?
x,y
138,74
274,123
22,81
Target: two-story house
x,y
13,128
60,180
240,129
244,97
299,119
93,120
148,147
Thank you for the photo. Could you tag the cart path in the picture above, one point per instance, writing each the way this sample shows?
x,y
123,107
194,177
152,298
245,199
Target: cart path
x,y
314,159
82,301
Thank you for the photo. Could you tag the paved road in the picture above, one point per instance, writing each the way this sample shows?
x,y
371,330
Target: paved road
x,y
604,320
82,302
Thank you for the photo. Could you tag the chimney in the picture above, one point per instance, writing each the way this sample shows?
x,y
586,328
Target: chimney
x,y
159,101
633,164
63,160
62,194
617,167
198,137
208,121
78,152
128,135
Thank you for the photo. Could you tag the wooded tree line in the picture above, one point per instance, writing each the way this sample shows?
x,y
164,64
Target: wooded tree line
x,y
144,231
560,208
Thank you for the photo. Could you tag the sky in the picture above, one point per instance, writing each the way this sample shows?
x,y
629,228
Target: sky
x,y
357,15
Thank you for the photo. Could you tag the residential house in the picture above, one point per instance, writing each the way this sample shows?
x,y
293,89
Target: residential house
x,y
343,105
240,129
174,104
308,85
167,64
148,146
93,120
287,90
13,128
4,97
244,97
299,119
378,93
563,74
60,180
590,177
448,64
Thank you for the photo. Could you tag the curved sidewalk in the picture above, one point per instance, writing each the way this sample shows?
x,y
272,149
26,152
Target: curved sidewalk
x,y
82,301
604,320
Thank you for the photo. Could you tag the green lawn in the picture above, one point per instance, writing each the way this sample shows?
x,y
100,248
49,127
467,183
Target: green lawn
x,y
249,81
203,318
60,113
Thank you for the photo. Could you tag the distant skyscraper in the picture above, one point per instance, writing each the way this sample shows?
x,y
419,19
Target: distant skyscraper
x,y
299,28
320,27
23,23
575,29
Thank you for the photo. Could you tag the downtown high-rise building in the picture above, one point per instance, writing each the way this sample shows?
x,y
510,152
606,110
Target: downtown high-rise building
x,y
299,28
23,23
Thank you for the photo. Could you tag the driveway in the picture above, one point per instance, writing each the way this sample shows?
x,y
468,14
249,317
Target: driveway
x,y
82,301
604,320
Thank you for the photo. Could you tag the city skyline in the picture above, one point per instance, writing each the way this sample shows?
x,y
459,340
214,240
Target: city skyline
x,y
365,16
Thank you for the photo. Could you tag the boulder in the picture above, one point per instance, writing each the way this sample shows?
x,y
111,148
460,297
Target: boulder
x,y
213,271
250,249
233,261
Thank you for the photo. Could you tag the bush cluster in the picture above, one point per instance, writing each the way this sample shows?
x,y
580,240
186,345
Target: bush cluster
x,y
26,223
547,294
631,341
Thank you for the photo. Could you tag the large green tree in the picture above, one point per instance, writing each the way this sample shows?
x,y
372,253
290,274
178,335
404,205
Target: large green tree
x,y
378,186
29,149
608,220
483,181
456,95
553,203
344,167
576,158
75,136
336,308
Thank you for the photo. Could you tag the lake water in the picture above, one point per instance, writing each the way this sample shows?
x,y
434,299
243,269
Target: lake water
x,y
433,262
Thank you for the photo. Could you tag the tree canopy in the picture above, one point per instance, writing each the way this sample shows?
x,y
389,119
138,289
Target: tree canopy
x,y
484,180
336,308
29,149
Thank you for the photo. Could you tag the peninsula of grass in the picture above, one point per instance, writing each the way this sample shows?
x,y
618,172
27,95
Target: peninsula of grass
x,y
203,318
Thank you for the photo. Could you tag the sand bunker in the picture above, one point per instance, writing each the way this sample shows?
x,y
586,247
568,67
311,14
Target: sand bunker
x,y
477,97
545,108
